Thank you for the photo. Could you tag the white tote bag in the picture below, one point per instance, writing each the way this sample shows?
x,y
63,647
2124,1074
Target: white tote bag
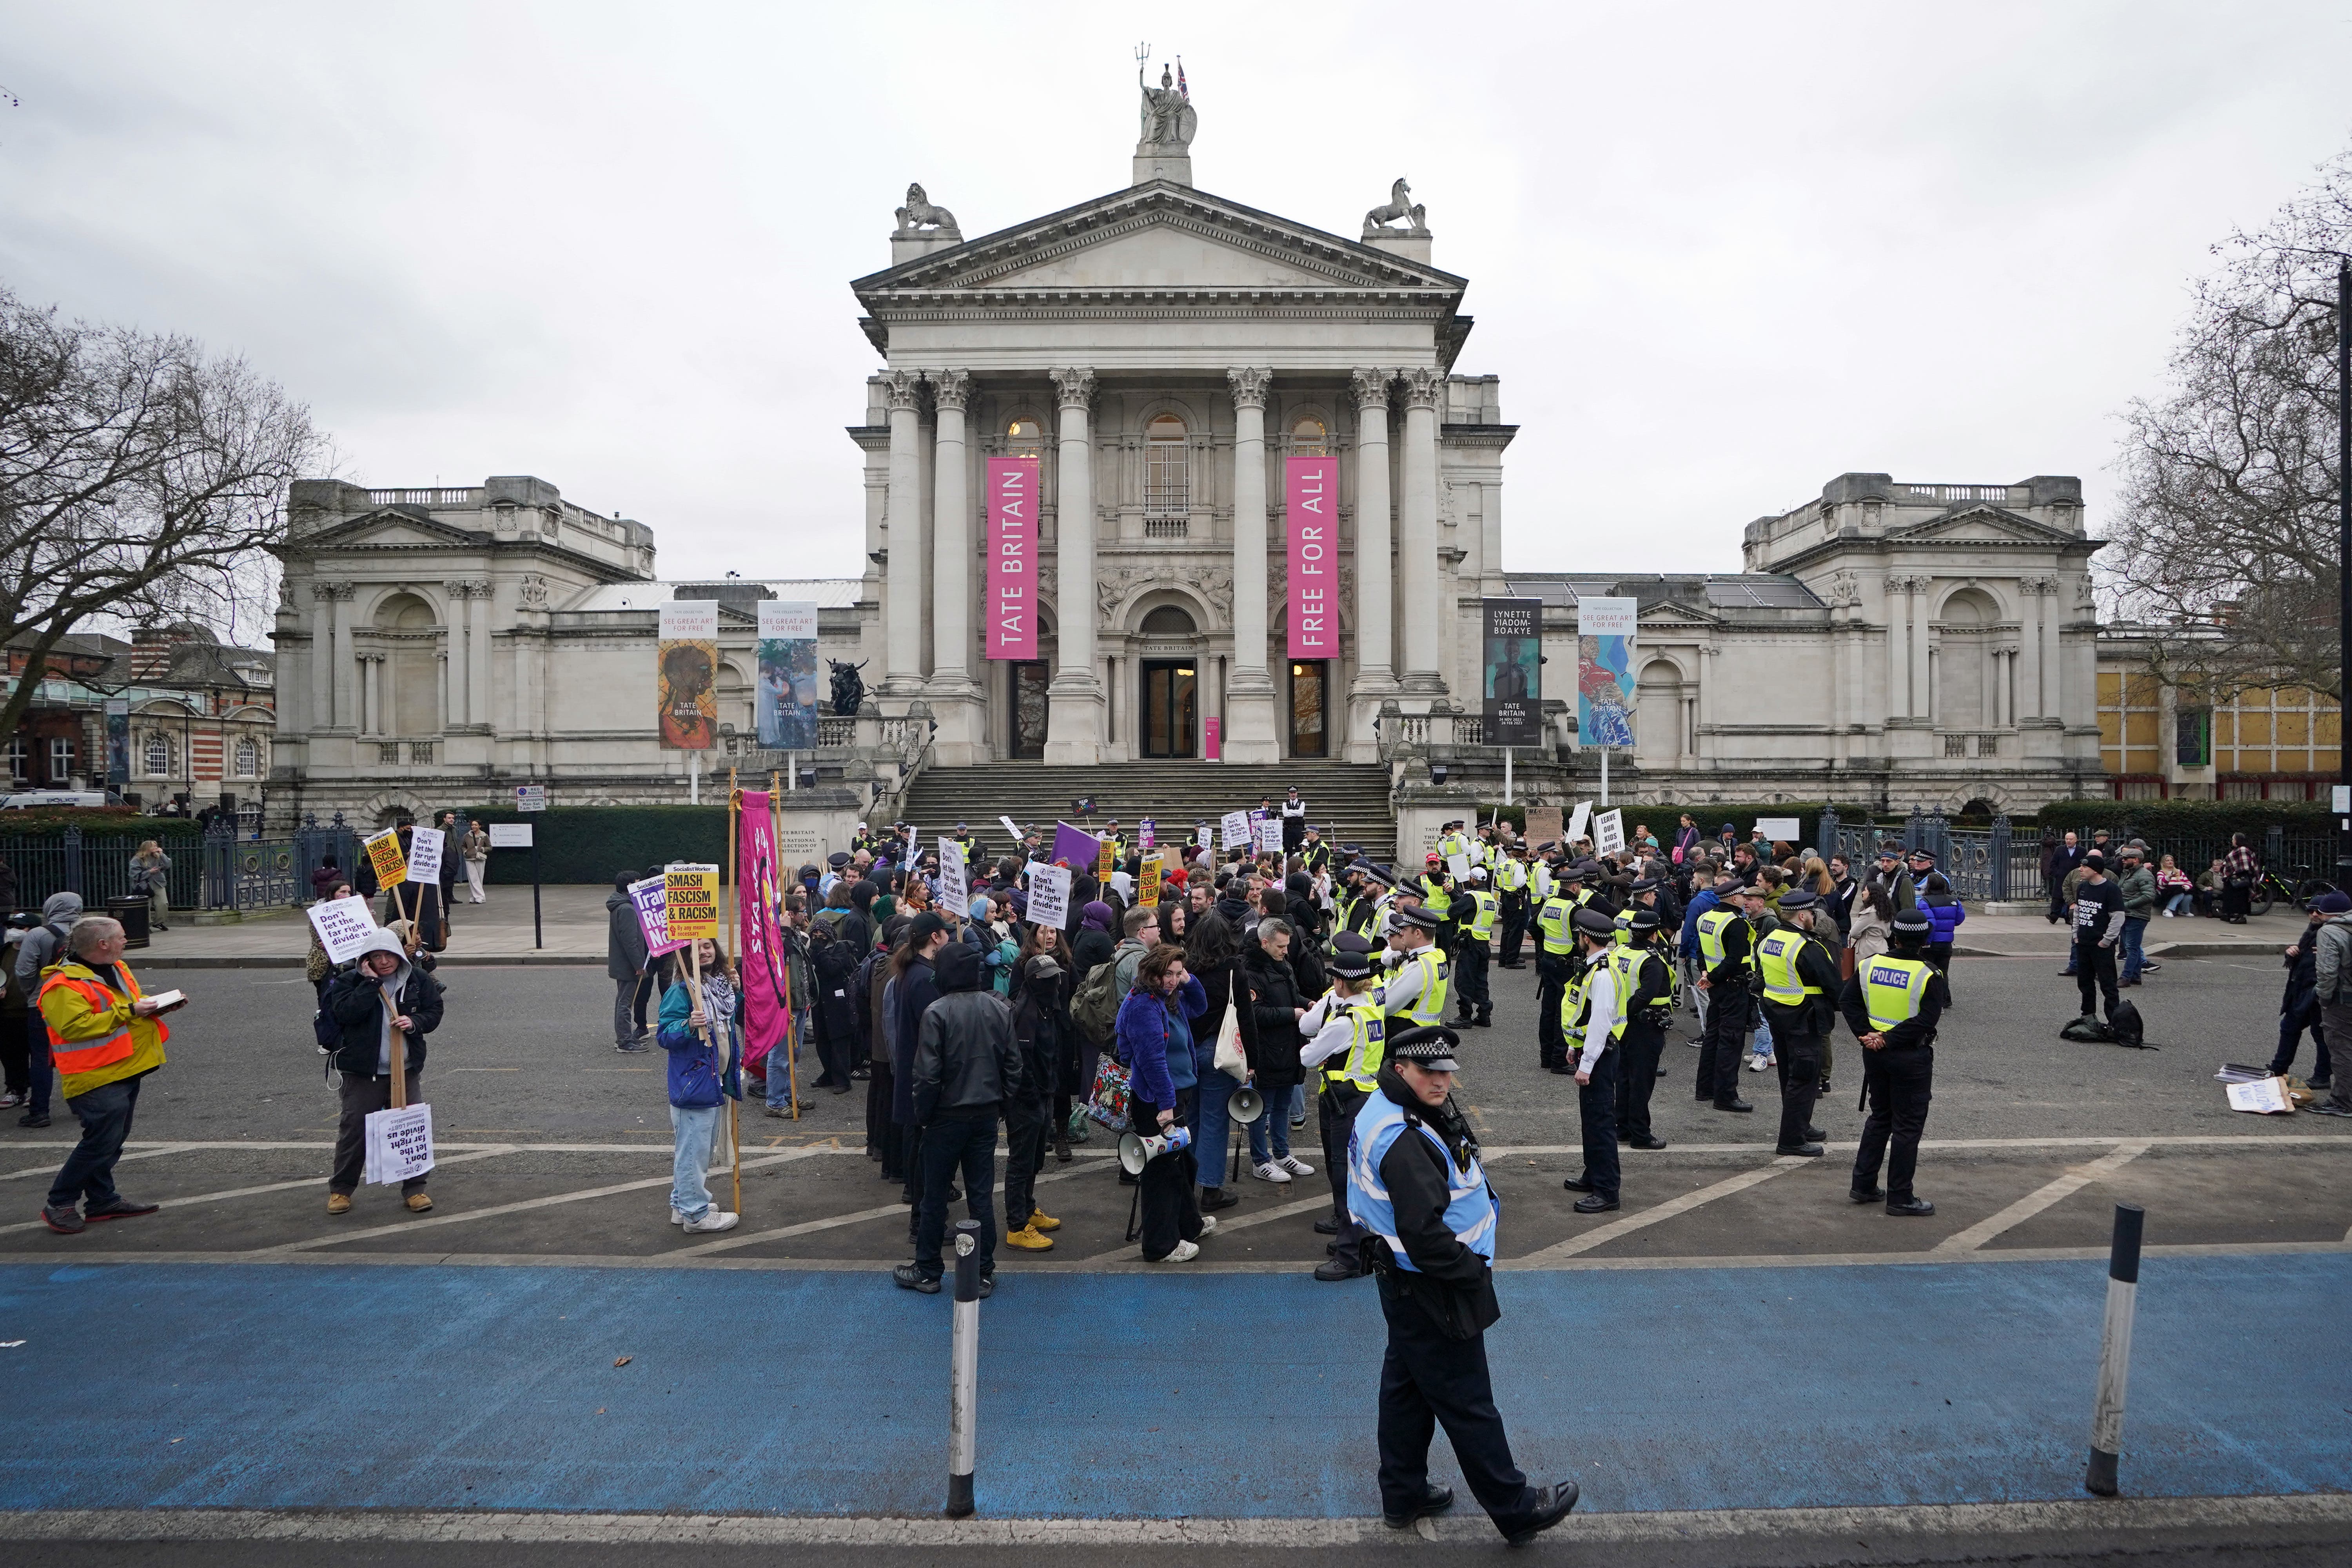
x,y
1230,1060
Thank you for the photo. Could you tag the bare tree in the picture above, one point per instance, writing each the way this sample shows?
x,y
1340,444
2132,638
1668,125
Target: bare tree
x,y
2226,543
140,478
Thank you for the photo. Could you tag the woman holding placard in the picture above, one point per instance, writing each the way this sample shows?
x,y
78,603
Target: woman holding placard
x,y
701,1019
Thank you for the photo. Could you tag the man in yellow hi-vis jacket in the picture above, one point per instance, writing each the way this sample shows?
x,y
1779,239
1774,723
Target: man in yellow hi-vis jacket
x,y
105,1036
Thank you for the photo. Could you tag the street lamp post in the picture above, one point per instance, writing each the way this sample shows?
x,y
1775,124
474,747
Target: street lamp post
x,y
2343,802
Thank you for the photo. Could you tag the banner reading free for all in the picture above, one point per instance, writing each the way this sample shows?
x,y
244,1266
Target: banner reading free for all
x,y
1311,500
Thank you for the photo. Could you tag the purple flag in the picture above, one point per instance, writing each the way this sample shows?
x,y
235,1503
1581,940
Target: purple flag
x,y
1082,850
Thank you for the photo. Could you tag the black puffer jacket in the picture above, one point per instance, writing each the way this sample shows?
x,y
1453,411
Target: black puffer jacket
x,y
1272,1042
356,1001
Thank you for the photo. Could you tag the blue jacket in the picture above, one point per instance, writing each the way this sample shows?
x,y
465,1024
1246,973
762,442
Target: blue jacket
x,y
1945,917
1701,901
696,1065
1156,1038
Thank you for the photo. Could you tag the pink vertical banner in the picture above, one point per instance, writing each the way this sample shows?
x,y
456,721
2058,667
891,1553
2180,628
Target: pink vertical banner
x,y
1311,502
1214,739
759,890
1011,558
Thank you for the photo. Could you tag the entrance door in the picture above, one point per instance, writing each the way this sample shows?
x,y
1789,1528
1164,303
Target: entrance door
x,y
1170,701
1310,728
1029,680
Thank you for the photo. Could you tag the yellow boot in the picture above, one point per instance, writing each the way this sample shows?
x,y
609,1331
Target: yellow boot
x,y
1040,1220
1027,1240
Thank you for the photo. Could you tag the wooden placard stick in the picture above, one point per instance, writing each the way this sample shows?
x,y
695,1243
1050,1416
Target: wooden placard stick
x,y
399,1047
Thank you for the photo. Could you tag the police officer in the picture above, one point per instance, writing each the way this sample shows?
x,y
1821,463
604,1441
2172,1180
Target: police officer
x,y
1647,984
964,838
1416,1184
1724,952
1451,841
1799,979
1892,1004
1437,896
1593,1030
1314,854
1346,1034
1474,927
1415,992
1511,890
1554,954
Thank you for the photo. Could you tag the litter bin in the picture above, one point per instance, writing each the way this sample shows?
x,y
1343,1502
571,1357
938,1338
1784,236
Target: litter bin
x,y
132,911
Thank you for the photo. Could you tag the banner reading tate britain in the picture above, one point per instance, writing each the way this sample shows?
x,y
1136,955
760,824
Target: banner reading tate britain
x,y
1311,505
1011,589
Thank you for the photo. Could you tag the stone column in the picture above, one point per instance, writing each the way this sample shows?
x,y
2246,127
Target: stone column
x,y
1898,664
957,701
1417,563
1923,695
456,687
1250,733
371,694
2029,648
902,599
1375,642
323,656
478,666
1074,721
1699,736
347,711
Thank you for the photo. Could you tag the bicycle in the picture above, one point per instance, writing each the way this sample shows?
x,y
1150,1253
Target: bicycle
x,y
2270,888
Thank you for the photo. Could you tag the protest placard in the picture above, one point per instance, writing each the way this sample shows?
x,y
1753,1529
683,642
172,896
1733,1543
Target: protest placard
x,y
399,1144
425,846
383,853
1609,832
1146,834
652,916
691,902
1459,867
343,926
955,881
1233,829
1786,830
1106,860
1576,824
1268,835
1148,894
1049,895
1012,827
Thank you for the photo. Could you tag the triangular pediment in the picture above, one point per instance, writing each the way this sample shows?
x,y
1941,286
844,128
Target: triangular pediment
x,y
1157,237
1981,524
390,528
1667,613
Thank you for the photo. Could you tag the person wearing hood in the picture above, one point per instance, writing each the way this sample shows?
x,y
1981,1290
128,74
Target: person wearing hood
x,y
624,965
1091,942
43,945
702,1030
356,1001
2332,986
105,1036
967,1067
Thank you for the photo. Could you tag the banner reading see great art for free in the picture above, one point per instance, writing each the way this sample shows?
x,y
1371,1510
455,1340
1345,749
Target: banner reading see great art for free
x,y
686,673
1604,672
1011,590
1311,507
787,675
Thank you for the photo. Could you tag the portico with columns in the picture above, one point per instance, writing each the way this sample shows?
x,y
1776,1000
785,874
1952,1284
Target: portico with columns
x,y
1160,352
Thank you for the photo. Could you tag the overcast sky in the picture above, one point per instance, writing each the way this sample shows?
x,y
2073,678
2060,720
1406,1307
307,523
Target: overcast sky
x,y
1716,257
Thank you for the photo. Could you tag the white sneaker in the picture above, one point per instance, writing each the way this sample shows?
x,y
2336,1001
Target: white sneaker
x,y
676,1217
1755,1064
713,1219
1185,1252
1271,1172
1207,1223
1297,1167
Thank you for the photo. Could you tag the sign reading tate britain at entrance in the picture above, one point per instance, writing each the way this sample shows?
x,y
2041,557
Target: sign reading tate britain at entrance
x,y
1011,558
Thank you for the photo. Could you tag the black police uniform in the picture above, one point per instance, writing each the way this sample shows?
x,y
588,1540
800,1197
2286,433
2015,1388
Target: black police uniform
x,y
1798,1032
1730,1015
1897,1081
1513,918
1647,1013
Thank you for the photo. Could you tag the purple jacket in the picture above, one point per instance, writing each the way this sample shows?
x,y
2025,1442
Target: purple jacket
x,y
1945,918
1147,1028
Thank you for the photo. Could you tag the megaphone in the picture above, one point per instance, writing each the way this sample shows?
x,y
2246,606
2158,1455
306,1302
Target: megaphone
x,y
1246,1105
1135,1152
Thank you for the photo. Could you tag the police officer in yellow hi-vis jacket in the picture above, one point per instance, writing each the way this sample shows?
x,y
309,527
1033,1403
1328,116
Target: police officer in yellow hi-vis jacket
x,y
1511,888
1345,1037
1892,1004
1555,965
106,1034
1417,1186
1800,987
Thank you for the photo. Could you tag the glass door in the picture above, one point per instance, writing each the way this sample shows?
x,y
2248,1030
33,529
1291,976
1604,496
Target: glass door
x,y
1169,699
1310,730
1029,708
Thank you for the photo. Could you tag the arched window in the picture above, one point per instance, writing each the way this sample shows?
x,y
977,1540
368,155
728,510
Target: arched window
x,y
1024,437
249,758
1308,438
1167,621
1165,490
158,757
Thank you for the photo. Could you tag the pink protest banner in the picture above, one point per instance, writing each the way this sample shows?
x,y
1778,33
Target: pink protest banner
x,y
767,1000
1311,499
1011,597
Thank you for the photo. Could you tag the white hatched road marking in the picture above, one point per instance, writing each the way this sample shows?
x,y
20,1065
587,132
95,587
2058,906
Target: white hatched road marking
x,y
2041,1198
270,1187
1650,1216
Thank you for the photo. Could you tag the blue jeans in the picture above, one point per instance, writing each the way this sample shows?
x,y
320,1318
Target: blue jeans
x,y
1762,1046
2180,904
89,1170
1273,1129
2135,955
1213,1129
783,1061
694,1130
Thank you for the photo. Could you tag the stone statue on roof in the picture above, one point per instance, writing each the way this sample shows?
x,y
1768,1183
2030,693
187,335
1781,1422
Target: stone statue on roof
x,y
1168,115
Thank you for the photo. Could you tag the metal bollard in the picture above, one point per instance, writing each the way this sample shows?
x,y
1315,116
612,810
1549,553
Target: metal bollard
x,y
2115,1351
963,1388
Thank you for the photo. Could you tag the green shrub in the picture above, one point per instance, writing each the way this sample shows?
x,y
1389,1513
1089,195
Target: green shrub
x,y
108,821
592,843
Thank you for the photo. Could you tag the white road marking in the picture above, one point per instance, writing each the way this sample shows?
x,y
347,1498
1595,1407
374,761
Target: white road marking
x,y
1132,1251
495,1209
51,1169
2041,1198
1926,1522
832,1222
168,1204
1650,1216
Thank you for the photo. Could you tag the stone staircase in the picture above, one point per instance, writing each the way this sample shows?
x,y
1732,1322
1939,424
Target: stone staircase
x,y
1349,802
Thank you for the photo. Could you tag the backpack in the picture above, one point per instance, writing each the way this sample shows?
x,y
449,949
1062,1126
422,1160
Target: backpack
x,y
326,1031
1095,1008
2124,1030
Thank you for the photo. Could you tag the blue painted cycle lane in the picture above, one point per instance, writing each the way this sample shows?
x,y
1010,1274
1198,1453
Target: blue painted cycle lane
x,y
1206,1396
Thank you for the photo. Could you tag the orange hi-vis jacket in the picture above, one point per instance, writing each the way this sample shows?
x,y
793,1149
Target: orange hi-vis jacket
x,y
94,1037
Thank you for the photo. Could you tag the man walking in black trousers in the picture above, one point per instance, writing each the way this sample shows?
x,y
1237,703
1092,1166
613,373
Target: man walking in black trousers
x,y
2098,926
